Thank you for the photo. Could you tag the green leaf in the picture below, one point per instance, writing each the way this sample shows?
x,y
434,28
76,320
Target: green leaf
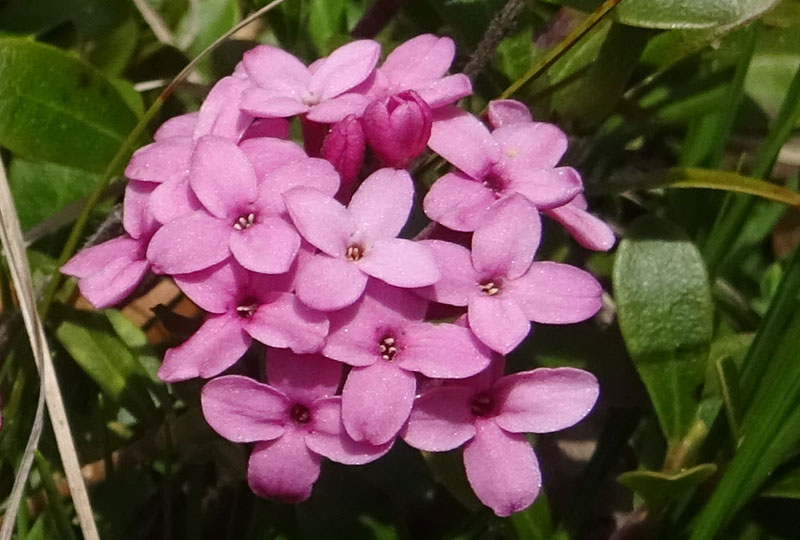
x,y
112,52
665,314
41,189
91,341
786,485
91,17
326,20
657,487
215,17
56,108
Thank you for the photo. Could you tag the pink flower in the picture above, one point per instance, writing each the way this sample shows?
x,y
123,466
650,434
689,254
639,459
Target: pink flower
x,y
488,414
518,158
294,421
285,87
502,288
344,147
588,231
384,338
242,306
358,241
398,128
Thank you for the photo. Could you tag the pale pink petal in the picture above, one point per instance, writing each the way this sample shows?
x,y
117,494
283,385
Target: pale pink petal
x,y
94,259
546,188
507,239
269,246
446,90
381,205
243,410
306,172
215,289
502,469
303,377
261,128
328,284
320,219
545,400
458,202
498,321
161,161
442,351
189,244
534,145
177,126
270,103
441,419
114,283
212,349
286,322
588,230
137,219
555,293
173,200
221,176
463,140
337,109
418,61
273,68
504,112
344,68
329,438
283,469
376,401
220,114
267,154
459,279
400,262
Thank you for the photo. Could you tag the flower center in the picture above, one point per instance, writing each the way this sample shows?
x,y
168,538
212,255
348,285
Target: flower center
x,y
388,348
494,182
300,414
245,221
354,253
481,405
310,99
247,308
491,286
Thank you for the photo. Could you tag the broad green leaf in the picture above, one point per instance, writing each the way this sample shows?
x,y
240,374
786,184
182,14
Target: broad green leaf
x,y
56,108
41,189
656,486
665,314
92,342
515,53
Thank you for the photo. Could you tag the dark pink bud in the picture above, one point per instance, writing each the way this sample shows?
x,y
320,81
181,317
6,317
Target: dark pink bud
x,y
344,148
398,128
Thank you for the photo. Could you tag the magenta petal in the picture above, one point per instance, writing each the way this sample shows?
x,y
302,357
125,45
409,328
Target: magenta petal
x,y
588,230
243,410
381,205
189,244
502,469
507,238
441,419
328,284
269,246
212,349
498,321
94,259
555,293
446,90
458,202
345,68
173,200
277,128
306,172
504,112
547,188
114,283
273,68
214,289
400,262
442,351
270,104
376,401
459,279
419,60
221,177
344,147
329,438
161,161
321,219
267,154
337,109
136,216
534,145
303,377
177,126
283,469
286,322
545,400
463,140
220,115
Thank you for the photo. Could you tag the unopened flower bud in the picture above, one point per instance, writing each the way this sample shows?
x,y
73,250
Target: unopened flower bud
x,y
398,128
344,148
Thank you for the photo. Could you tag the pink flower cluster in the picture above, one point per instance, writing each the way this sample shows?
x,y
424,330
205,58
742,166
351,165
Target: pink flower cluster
x,y
299,248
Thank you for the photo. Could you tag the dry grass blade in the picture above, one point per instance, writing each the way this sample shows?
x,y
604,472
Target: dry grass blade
x,y
18,263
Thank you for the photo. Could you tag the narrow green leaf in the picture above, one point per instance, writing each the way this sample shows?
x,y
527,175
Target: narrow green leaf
x,y
534,522
54,499
786,485
731,392
54,107
326,20
657,487
665,315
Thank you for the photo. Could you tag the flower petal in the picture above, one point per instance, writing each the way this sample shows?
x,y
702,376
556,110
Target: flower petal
x,y
446,90
221,176
284,469
321,219
530,145
545,400
303,377
381,205
272,68
546,188
306,172
189,244
270,104
418,61
442,351
161,161
215,289
555,293
502,469
337,109
400,262
441,419
114,283
329,438
344,68
243,410
137,219
94,259
267,154
173,200
504,112
269,246
463,140
177,126
286,322
262,128
588,230
212,349
329,284
498,321
459,279
220,114
458,202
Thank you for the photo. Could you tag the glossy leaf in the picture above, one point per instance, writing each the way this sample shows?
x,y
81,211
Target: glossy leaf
x,y
665,314
56,108
657,486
